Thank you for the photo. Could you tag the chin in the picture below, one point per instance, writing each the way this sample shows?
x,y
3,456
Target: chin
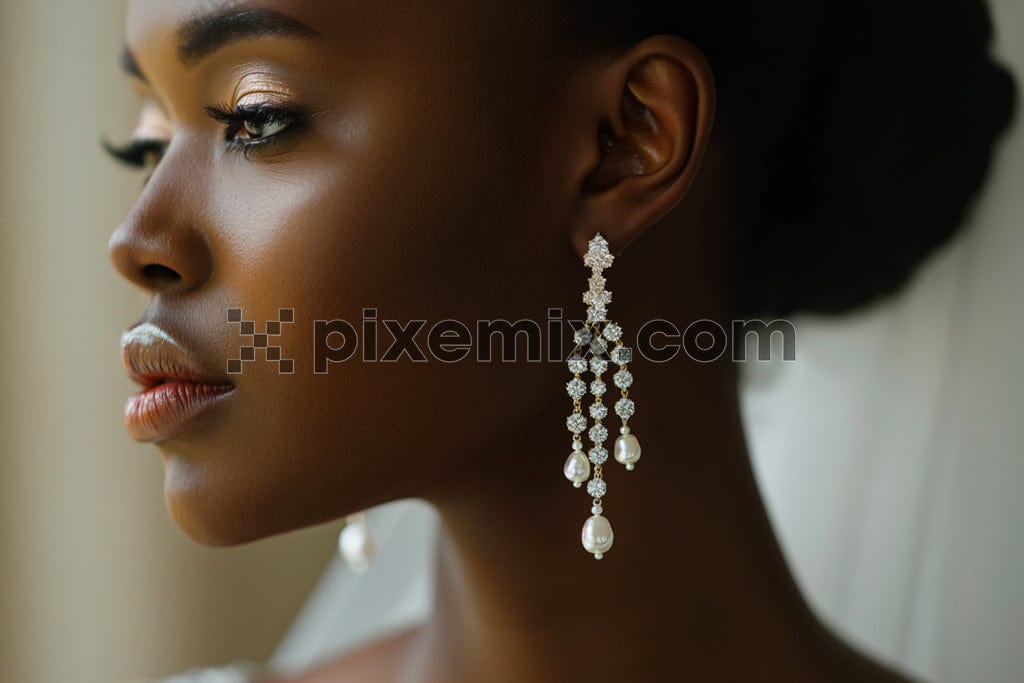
x,y
207,523
213,509
223,498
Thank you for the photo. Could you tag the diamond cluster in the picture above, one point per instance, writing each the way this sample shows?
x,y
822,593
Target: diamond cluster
x,y
597,298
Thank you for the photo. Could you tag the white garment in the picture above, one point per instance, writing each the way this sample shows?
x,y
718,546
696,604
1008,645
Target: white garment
x,y
235,673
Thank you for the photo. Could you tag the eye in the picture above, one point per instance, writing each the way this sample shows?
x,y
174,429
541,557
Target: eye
x,y
150,139
138,153
251,125
255,130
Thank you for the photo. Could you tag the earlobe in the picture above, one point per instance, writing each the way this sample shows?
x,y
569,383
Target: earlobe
x,y
655,125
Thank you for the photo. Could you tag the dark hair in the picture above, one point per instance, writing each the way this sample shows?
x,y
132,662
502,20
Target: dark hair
x,y
864,131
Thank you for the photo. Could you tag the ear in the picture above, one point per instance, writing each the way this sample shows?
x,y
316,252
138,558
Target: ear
x,y
655,106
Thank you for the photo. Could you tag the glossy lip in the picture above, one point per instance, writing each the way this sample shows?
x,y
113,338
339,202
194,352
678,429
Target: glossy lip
x,y
175,392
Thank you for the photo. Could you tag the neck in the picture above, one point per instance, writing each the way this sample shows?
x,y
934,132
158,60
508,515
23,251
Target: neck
x,y
695,586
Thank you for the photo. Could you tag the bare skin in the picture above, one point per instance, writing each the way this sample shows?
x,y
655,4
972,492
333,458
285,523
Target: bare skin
x,y
436,178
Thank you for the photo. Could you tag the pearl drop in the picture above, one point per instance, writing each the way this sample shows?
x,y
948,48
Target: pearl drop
x,y
577,445
624,429
630,466
577,468
598,556
597,535
356,544
596,510
627,449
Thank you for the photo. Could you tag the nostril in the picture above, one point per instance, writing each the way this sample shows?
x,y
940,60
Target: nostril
x,y
158,275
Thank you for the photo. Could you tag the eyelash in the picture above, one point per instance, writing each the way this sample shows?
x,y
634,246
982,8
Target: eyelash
x,y
143,152
137,153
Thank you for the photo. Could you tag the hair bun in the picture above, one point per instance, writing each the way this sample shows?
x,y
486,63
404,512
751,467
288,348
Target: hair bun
x,y
864,129
888,138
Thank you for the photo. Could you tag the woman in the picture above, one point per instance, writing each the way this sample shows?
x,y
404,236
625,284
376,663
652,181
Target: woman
x,y
395,166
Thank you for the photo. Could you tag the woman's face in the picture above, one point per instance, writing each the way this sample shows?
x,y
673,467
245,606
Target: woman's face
x,y
397,157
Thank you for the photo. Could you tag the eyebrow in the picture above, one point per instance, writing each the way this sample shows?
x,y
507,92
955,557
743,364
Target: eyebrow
x,y
201,36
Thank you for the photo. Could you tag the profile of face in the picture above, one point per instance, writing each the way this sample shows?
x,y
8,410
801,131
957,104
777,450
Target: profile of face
x,y
334,157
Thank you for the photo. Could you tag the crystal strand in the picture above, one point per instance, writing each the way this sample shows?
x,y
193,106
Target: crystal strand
x,y
597,535
627,446
598,433
577,467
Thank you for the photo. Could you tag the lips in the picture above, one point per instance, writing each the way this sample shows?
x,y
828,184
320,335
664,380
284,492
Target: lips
x,y
175,391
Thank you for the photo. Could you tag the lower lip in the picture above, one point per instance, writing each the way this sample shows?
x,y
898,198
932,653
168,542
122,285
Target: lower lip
x,y
167,410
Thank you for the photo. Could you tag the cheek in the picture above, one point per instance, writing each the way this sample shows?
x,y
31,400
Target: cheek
x,y
416,227
329,240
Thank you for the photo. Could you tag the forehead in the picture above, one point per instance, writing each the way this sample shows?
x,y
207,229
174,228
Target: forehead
x,y
405,27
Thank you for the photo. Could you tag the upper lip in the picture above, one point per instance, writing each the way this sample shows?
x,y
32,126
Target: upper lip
x,y
151,356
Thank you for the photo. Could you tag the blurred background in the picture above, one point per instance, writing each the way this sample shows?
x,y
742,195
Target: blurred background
x,y
891,453
96,583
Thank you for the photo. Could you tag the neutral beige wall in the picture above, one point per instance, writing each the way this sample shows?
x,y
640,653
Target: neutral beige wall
x,y
95,582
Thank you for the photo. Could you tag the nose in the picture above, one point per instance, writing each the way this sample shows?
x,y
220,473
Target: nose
x,y
160,246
